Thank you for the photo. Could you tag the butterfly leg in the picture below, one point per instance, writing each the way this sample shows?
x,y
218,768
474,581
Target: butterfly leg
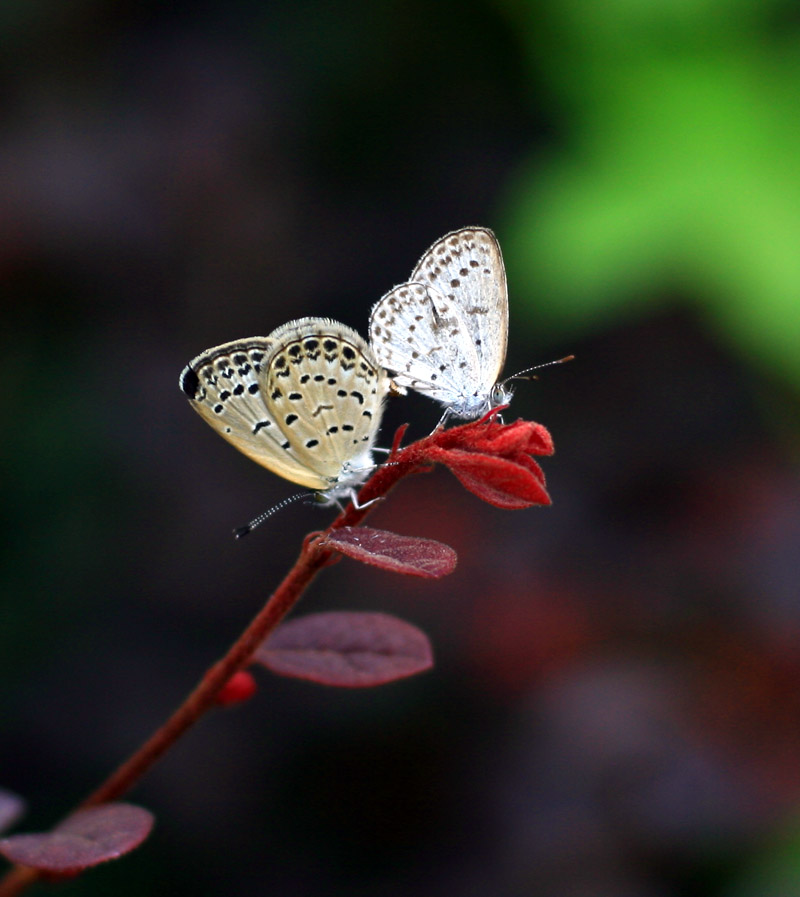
x,y
442,420
360,507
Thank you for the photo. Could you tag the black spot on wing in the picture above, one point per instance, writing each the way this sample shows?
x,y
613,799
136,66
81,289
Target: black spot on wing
x,y
189,383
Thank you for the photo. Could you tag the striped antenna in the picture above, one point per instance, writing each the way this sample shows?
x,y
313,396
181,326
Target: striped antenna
x,y
241,531
536,367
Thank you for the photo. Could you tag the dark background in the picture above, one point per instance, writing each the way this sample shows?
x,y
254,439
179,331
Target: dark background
x,y
614,711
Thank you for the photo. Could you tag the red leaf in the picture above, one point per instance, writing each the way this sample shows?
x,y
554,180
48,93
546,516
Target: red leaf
x,y
402,554
498,439
498,481
84,839
348,649
540,442
398,438
12,806
533,467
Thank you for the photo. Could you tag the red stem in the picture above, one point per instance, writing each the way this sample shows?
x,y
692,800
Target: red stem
x,y
311,560
204,695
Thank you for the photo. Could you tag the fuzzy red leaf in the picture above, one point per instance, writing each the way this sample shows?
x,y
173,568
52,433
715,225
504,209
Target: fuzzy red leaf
x,y
84,839
498,439
401,554
12,806
347,649
533,467
540,442
498,481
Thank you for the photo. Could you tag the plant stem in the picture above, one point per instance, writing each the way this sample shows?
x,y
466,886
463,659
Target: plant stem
x,y
203,698
313,557
311,560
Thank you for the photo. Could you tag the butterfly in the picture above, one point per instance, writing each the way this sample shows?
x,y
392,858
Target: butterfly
x,y
445,332
305,402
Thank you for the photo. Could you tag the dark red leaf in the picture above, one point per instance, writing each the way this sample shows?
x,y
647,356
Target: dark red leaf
x,y
522,436
84,839
401,554
398,438
533,467
498,439
12,806
540,442
489,438
498,481
348,649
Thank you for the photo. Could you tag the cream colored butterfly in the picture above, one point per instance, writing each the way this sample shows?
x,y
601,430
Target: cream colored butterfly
x,y
305,402
445,332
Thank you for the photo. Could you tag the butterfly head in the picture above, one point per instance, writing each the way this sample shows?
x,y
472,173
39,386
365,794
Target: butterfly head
x,y
500,394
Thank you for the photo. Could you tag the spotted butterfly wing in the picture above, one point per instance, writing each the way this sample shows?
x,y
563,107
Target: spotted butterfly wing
x,y
305,402
445,332
327,391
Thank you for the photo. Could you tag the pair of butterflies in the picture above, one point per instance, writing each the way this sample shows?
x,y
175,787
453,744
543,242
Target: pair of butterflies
x,y
306,401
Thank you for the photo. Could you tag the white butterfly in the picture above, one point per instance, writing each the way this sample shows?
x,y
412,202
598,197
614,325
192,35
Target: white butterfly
x,y
305,402
445,332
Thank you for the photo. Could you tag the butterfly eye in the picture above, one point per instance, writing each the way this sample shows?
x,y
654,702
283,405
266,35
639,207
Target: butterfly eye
x,y
500,395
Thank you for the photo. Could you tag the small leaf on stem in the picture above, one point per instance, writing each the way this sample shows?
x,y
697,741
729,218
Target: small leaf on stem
x,y
401,554
347,649
84,839
502,482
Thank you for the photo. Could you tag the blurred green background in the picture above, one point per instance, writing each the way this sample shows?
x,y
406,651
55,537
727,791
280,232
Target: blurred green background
x,y
615,707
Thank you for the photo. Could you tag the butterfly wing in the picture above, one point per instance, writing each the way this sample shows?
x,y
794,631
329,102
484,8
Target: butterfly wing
x,y
227,386
445,332
466,266
421,337
326,390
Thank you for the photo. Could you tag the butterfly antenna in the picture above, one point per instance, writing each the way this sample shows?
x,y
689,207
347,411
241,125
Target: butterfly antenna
x,y
242,531
522,374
